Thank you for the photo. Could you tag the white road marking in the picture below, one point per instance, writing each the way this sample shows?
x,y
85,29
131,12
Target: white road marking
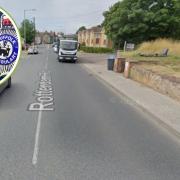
x,y
38,128
36,145
46,64
47,59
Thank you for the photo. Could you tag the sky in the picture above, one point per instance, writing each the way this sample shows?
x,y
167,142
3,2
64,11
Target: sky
x,y
59,15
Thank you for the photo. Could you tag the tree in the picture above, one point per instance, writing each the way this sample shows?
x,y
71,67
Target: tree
x,y
142,20
81,29
30,30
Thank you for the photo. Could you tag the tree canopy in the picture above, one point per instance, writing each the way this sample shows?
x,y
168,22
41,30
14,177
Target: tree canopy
x,y
136,21
30,30
81,29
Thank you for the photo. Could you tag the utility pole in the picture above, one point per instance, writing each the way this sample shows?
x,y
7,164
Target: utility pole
x,y
34,22
25,28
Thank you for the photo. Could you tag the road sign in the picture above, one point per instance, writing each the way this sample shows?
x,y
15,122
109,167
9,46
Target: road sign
x,y
130,46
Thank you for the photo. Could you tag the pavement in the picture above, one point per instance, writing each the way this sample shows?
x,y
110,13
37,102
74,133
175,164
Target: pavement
x,y
161,107
83,130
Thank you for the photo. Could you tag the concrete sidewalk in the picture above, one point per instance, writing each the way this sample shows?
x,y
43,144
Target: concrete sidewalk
x,y
163,108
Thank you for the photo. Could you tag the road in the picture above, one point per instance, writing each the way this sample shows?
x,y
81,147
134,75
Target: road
x,y
87,132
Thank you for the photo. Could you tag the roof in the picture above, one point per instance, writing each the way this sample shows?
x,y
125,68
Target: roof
x,y
96,29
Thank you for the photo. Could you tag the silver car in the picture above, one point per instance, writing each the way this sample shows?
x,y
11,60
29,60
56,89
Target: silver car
x,y
33,50
30,50
36,50
55,48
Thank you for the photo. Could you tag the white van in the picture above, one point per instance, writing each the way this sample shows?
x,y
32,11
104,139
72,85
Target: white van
x,y
68,51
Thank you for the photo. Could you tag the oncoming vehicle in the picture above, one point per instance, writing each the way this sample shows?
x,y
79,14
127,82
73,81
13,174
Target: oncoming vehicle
x,y
54,43
68,51
6,84
55,48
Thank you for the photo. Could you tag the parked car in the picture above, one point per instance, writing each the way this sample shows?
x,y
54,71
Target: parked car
x,y
36,50
55,43
30,50
55,48
33,50
6,84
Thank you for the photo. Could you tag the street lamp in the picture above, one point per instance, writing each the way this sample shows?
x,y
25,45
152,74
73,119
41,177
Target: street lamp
x,y
26,10
34,22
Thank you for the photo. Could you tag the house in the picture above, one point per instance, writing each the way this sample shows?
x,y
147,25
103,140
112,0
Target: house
x,y
70,36
38,38
45,37
94,37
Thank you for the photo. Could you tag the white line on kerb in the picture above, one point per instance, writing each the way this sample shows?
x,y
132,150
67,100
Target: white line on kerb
x,y
36,145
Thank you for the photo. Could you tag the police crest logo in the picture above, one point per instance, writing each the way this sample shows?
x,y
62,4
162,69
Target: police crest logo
x,y
10,46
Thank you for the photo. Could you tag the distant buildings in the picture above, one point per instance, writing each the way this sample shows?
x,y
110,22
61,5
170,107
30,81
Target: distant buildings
x,y
45,37
70,36
94,37
50,37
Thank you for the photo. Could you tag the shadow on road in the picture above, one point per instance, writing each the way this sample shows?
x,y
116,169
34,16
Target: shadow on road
x,y
13,97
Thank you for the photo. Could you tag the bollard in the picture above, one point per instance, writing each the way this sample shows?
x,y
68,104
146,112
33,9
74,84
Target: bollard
x,y
119,65
127,69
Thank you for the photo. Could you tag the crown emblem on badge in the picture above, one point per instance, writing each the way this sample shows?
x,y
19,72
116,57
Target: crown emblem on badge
x,y
4,49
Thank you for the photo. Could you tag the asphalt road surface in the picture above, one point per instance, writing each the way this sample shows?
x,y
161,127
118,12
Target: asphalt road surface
x,y
84,131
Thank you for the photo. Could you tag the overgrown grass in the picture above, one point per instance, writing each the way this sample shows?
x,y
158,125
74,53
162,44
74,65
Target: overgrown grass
x,y
156,47
160,44
169,65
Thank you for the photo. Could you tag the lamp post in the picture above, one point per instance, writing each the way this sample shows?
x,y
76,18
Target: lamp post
x,y
26,10
34,22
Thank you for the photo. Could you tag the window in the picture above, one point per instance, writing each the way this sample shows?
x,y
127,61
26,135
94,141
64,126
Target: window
x,y
97,35
97,40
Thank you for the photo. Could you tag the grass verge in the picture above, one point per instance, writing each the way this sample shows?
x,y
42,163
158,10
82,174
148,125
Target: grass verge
x,y
169,65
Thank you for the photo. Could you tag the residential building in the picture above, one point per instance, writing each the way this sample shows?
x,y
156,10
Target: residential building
x,y
70,36
94,37
45,37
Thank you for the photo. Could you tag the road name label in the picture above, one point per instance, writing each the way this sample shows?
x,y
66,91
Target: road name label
x,y
44,100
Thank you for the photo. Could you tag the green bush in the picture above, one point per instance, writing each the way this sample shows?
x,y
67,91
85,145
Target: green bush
x,y
96,50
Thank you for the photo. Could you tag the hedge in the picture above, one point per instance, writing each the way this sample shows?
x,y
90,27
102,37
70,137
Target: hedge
x,y
96,49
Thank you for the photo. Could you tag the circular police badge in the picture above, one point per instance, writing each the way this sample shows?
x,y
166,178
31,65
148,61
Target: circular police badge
x,y
10,46
8,49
